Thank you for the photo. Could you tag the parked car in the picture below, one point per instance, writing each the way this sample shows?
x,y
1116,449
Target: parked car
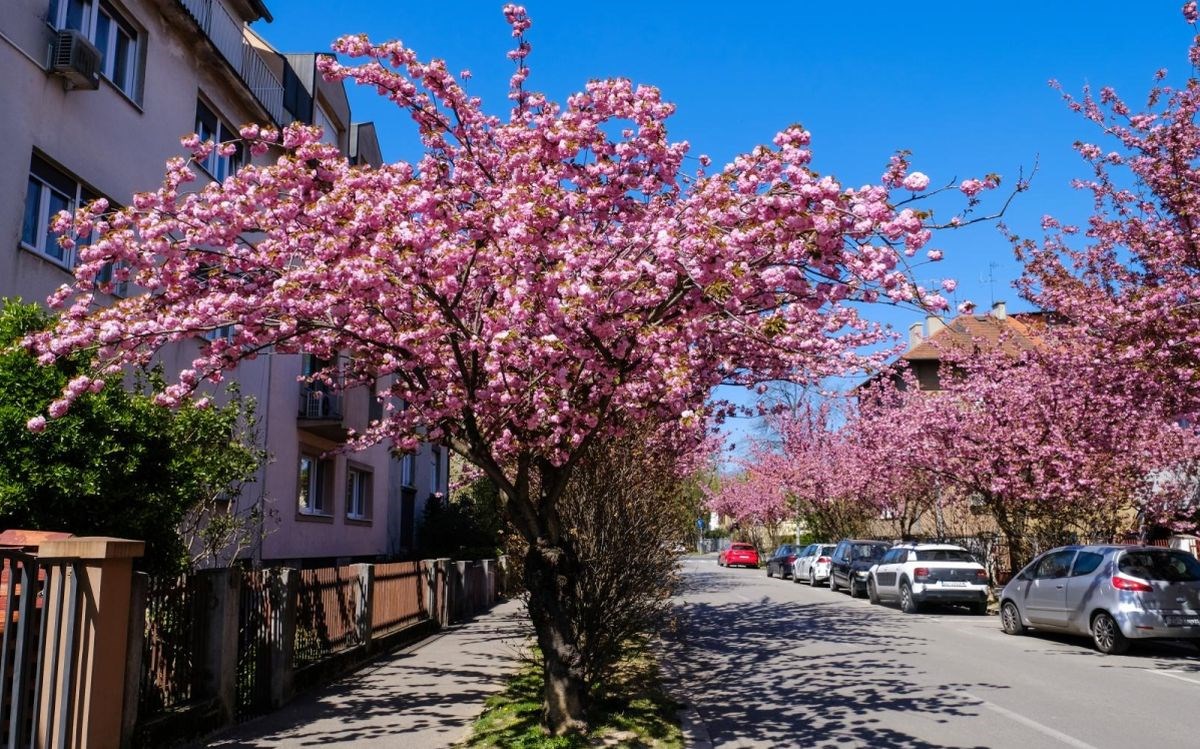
x,y
851,562
812,564
1115,594
913,574
781,561
739,554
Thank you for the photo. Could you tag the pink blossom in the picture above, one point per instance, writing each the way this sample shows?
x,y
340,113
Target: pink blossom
x,y
916,182
36,424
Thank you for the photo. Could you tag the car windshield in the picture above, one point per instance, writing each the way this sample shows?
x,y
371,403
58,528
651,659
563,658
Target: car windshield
x,y
1166,565
944,555
870,551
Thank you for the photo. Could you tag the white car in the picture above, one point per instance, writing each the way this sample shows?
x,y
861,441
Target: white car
x,y
914,574
812,564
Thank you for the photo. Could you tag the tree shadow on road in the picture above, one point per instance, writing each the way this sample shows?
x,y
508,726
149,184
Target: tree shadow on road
x,y
805,674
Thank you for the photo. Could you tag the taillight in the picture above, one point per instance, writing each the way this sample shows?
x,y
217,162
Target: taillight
x,y
791,558
1124,583
823,560
981,575
921,573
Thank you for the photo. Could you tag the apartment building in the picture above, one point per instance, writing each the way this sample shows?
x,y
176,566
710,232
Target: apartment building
x,y
96,95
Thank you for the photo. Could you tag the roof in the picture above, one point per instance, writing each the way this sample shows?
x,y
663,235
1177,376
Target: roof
x,y
261,9
929,547
1012,334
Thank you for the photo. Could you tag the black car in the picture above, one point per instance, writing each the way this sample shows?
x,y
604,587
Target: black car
x,y
851,562
781,561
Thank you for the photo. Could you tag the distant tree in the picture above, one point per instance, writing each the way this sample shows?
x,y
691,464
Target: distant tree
x,y
117,464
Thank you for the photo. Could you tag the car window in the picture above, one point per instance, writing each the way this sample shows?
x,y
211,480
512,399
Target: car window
x,y
1054,565
1086,563
840,552
742,547
826,551
943,555
869,551
1166,565
808,550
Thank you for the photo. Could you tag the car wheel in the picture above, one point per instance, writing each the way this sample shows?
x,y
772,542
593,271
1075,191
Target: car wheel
x,y
1107,635
872,592
833,586
795,577
854,589
812,582
908,604
1010,619
769,570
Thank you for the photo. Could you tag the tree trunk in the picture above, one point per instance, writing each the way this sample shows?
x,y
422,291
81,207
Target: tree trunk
x,y
549,572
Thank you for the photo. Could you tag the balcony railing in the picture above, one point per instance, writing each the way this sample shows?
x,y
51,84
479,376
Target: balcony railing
x,y
320,405
227,34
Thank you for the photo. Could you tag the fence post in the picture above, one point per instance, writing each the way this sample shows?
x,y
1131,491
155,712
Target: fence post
x,y
489,582
283,600
222,593
98,630
134,648
502,576
440,591
365,605
461,601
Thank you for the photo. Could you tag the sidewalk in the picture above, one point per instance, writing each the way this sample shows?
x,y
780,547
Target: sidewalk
x,y
424,697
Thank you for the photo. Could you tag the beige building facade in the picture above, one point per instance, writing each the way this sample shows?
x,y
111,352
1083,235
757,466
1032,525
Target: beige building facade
x,y
94,98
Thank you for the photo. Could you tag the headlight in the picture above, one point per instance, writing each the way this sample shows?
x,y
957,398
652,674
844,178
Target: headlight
x,y
862,573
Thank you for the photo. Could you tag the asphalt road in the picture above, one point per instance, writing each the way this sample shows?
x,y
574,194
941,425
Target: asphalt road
x,y
768,663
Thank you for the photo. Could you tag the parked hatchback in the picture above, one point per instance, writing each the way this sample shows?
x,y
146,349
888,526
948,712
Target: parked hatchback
x,y
1115,594
739,555
914,574
851,563
812,564
781,561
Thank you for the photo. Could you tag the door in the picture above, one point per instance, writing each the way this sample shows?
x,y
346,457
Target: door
x,y
888,571
1046,595
839,566
1080,584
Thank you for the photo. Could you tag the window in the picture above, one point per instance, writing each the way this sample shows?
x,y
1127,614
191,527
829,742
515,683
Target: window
x,y
1168,565
1054,565
117,39
210,127
48,191
435,470
314,485
945,555
358,494
1086,563
408,469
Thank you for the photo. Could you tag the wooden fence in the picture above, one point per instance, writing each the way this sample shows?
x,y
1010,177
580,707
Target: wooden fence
x,y
290,626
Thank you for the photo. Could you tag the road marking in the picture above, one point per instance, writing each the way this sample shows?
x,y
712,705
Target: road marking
x,y
1039,727
1171,675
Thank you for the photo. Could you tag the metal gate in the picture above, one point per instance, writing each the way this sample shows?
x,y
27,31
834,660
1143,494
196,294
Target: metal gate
x,y
40,606
260,631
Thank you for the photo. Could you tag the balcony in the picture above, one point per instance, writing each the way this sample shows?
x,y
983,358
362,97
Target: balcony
x,y
321,412
227,34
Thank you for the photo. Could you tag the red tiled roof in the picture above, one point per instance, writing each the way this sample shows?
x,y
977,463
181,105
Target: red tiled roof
x,y
1013,333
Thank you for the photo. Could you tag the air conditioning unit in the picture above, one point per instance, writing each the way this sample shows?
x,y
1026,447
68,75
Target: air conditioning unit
x,y
76,60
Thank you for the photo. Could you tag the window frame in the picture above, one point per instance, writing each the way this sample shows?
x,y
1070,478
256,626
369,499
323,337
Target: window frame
x,y
365,486
218,131
119,21
318,488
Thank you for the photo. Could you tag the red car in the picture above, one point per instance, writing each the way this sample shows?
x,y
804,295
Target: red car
x,y
739,554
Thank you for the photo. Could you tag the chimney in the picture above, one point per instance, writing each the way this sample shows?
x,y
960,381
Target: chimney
x,y
914,335
933,324
999,310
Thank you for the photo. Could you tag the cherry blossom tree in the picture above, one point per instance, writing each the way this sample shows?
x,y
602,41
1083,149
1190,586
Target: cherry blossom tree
x,y
535,283
1130,276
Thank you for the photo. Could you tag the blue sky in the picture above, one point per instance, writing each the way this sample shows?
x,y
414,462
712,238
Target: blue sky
x,y
962,85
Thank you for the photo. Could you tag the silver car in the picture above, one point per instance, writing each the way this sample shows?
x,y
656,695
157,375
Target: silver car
x,y
1116,594
812,564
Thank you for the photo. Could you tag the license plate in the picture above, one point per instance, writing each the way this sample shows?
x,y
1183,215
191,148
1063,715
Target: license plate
x,y
953,584
1182,621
